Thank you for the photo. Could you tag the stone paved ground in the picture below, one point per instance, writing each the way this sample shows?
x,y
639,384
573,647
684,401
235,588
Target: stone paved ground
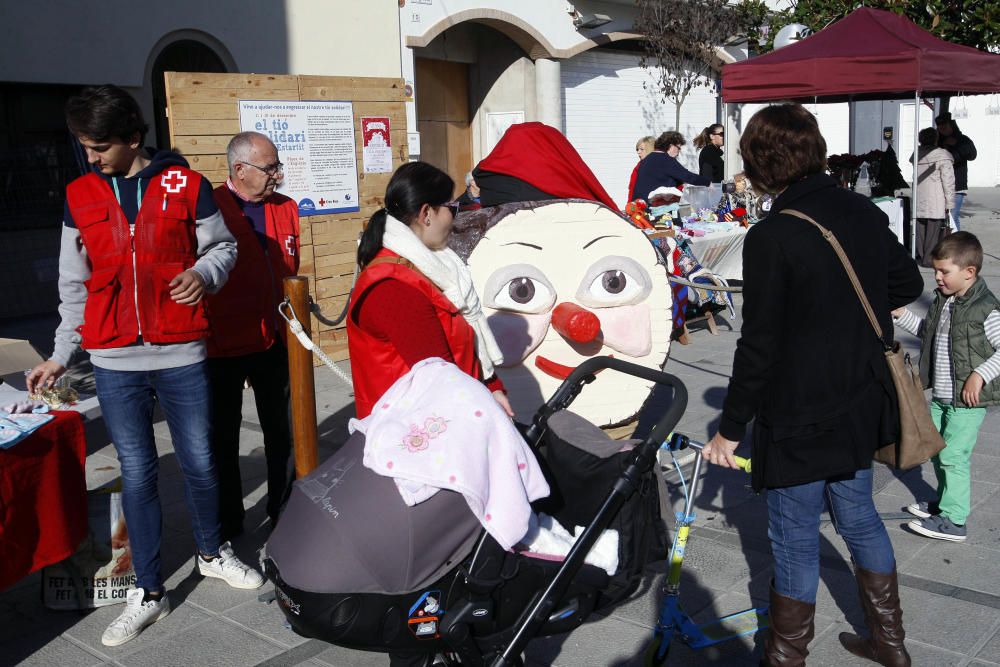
x,y
949,591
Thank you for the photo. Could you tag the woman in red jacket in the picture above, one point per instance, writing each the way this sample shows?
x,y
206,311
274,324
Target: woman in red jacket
x,y
414,299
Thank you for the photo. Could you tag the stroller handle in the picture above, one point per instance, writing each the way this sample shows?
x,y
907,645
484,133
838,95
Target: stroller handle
x,y
627,483
586,373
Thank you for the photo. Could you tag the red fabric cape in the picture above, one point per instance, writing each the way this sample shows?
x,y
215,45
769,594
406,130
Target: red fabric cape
x,y
541,156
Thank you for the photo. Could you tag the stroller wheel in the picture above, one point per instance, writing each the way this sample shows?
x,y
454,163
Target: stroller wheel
x,y
517,662
652,656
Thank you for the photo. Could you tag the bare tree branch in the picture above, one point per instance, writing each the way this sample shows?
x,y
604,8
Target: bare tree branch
x,y
680,41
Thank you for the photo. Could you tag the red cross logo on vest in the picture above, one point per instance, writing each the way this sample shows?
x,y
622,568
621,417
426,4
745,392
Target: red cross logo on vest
x,y
289,246
173,181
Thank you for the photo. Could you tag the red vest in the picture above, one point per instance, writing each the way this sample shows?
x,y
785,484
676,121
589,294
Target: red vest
x,y
128,293
375,363
243,315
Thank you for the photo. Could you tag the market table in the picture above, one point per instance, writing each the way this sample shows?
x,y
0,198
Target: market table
x,y
893,208
43,497
721,252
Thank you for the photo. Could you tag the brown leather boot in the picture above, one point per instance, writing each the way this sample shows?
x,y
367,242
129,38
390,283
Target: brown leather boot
x,y
884,618
792,629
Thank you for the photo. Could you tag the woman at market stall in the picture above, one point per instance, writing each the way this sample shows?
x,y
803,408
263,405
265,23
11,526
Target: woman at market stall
x,y
935,194
810,372
643,147
661,168
963,151
414,299
710,161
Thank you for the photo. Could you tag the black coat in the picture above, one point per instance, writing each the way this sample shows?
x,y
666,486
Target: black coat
x,y
962,150
808,367
711,164
659,169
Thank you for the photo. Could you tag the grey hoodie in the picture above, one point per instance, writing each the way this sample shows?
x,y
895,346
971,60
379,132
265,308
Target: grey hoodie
x,y
216,257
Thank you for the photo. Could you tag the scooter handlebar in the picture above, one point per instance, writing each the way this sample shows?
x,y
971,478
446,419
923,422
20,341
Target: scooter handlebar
x,y
743,463
678,441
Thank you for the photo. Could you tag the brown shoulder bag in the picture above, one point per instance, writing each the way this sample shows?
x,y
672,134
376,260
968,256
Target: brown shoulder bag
x,y
919,440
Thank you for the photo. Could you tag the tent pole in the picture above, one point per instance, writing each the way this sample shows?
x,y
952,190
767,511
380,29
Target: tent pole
x,y
913,188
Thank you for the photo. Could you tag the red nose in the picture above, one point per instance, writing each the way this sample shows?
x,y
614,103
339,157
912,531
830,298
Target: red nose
x,y
575,322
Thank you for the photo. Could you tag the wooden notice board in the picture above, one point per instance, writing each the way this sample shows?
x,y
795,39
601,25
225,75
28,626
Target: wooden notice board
x,y
203,113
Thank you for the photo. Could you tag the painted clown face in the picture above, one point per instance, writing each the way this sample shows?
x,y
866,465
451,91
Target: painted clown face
x,y
564,281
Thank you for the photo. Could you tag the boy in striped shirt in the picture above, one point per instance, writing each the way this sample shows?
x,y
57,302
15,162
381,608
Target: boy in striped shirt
x,y
959,338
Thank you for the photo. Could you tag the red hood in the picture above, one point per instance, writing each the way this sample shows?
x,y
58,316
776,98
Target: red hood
x,y
541,156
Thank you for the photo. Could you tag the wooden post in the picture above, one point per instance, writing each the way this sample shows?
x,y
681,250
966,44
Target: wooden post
x,y
302,385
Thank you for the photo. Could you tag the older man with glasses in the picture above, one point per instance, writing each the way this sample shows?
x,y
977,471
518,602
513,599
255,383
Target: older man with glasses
x,y
247,341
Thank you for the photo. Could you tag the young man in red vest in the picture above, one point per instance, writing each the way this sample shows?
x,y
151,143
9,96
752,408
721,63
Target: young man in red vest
x,y
142,243
247,340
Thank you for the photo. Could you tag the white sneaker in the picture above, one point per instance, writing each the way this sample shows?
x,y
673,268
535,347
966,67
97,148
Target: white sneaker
x,y
229,568
135,618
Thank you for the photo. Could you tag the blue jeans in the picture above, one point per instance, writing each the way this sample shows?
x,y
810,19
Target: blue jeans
x,y
793,527
127,400
955,212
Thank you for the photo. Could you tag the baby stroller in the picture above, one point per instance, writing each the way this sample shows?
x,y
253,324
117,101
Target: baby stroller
x,y
353,566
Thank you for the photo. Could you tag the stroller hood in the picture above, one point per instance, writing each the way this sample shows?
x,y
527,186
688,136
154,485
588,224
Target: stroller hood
x,y
346,529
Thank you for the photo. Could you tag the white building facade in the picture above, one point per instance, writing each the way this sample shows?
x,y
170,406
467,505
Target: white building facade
x,y
533,60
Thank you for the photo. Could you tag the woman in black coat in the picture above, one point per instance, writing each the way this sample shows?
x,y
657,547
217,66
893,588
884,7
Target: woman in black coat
x,y
710,162
809,371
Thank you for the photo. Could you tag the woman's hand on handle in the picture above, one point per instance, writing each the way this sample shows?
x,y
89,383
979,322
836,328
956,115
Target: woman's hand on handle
x,y
504,402
719,451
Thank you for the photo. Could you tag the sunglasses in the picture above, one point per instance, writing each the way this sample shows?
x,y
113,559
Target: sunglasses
x,y
453,206
718,134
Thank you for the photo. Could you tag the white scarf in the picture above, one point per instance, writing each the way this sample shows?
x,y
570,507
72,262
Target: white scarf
x,y
446,269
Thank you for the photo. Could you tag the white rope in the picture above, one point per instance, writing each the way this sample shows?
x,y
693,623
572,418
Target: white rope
x,y
307,343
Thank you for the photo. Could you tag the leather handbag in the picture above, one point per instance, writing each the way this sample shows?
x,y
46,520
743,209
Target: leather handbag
x,y
918,439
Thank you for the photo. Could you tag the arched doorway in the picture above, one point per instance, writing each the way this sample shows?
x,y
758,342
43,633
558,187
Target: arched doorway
x,y
465,76
184,55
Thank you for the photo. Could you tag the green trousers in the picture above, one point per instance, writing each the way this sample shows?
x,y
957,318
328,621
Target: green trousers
x,y
959,427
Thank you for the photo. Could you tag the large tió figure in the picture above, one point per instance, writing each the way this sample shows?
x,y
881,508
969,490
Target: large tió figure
x,y
562,281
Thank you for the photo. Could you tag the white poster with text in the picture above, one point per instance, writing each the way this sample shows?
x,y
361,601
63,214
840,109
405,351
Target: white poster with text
x,y
376,150
315,142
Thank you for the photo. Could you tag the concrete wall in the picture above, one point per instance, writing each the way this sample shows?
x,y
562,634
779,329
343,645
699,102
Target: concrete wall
x,y
532,29
112,40
545,23
116,41
504,81
342,37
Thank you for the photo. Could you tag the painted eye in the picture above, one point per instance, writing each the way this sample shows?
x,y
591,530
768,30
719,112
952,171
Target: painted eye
x,y
614,281
520,288
523,294
614,287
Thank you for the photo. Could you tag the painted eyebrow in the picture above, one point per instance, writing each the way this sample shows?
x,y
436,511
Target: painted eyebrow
x,y
530,245
606,236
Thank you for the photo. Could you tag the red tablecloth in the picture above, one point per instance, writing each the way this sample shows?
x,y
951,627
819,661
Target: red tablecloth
x,y
43,498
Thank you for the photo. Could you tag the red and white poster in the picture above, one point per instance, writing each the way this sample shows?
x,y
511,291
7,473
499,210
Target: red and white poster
x,y
377,147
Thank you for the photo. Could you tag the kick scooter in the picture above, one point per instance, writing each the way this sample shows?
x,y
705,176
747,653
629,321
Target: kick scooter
x,y
673,621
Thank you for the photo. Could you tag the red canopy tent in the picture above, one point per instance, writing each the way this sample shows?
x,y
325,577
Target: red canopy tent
x,y
869,54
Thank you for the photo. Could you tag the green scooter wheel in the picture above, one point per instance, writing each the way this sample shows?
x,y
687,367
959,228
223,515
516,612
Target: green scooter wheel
x,y
652,657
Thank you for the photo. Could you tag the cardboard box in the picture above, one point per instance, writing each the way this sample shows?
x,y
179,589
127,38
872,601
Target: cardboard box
x,y
17,356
